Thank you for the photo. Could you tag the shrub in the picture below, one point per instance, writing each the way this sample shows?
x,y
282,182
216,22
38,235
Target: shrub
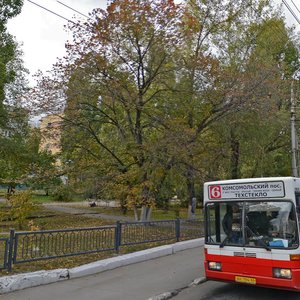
x,y
21,207
63,193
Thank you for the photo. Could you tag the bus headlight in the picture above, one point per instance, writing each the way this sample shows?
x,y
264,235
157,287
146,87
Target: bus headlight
x,y
213,265
282,273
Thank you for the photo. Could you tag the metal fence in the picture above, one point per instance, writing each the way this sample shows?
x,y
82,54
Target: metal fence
x,y
146,232
4,242
22,247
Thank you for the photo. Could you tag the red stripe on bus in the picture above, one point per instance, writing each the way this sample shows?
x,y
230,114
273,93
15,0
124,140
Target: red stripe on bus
x,y
260,269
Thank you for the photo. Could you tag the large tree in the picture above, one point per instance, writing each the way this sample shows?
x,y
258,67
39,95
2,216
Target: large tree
x,y
119,71
16,144
221,71
145,84
8,47
257,135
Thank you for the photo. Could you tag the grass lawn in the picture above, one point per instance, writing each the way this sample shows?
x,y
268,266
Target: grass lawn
x,y
44,219
42,199
157,214
49,220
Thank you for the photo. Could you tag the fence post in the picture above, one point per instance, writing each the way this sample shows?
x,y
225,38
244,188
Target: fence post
x,y
10,250
177,229
118,236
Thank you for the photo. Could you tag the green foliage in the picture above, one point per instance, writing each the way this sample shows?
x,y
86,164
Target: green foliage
x,y
20,208
8,47
9,9
13,118
160,98
63,193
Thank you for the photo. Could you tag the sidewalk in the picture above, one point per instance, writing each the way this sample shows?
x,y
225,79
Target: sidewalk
x,y
138,276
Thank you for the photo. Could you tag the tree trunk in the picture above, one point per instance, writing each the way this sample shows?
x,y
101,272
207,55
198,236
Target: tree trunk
x,y
123,206
136,214
149,213
145,214
235,155
192,209
191,193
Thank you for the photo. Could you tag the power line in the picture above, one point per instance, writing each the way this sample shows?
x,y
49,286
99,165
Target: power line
x,y
291,11
52,12
73,9
281,31
60,16
295,6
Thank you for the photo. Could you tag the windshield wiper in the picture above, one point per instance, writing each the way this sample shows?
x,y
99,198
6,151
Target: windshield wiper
x,y
258,238
224,242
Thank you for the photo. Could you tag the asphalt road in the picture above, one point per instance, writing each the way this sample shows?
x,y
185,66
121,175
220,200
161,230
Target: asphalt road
x,y
212,290
145,280
139,281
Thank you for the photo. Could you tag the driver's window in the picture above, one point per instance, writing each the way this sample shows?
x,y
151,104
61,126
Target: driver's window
x,y
232,223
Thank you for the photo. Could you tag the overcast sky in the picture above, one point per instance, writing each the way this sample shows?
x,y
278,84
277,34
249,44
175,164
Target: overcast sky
x,y
43,35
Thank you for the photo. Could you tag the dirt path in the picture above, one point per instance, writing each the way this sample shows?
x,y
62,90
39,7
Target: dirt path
x,y
85,212
65,208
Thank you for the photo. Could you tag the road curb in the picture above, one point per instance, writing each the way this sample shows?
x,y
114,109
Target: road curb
x,y
169,295
119,261
21,281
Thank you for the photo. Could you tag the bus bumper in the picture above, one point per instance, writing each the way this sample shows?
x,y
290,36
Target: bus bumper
x,y
264,281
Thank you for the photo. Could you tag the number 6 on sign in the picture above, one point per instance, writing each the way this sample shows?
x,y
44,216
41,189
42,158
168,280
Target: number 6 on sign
x,y
215,192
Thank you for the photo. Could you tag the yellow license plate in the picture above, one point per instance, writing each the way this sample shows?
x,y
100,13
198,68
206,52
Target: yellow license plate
x,y
243,279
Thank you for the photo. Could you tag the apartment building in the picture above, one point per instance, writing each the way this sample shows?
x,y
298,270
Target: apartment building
x,y
50,128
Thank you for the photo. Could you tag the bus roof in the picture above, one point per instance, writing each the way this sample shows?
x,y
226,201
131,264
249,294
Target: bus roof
x,y
258,179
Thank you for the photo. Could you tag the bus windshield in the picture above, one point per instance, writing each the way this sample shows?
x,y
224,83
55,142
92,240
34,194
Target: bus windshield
x,y
265,224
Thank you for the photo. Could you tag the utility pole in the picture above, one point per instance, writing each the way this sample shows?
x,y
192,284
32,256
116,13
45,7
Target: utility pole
x,y
293,133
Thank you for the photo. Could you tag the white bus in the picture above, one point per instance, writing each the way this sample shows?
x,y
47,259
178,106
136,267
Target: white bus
x,y
252,231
